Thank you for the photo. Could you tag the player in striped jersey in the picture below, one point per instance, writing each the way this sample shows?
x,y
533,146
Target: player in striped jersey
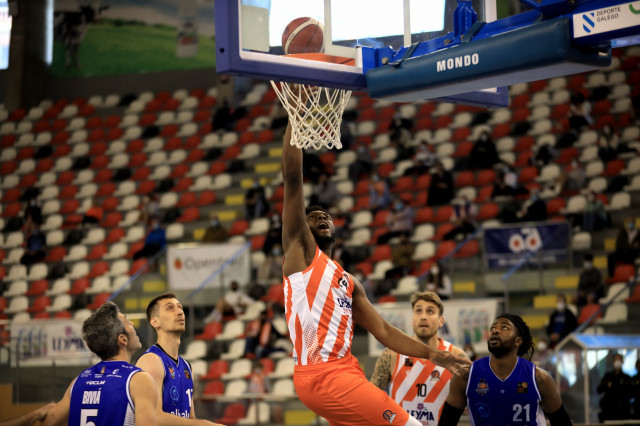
x,y
418,385
506,388
321,303
112,392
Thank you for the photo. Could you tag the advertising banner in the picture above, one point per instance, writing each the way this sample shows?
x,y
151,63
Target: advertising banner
x,y
107,37
546,242
38,340
465,321
188,266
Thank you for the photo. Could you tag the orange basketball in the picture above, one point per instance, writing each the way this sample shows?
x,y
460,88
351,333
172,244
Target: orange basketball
x,y
303,35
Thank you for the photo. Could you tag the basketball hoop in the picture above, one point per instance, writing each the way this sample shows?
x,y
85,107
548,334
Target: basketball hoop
x,y
315,124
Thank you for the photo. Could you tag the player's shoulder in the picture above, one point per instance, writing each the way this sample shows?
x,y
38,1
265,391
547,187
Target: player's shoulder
x,y
457,351
542,376
149,359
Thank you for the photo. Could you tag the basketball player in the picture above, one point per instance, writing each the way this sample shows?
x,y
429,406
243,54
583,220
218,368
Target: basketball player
x,y
112,392
420,387
172,374
321,303
506,388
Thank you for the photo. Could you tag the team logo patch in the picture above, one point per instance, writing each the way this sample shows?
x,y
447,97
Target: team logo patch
x,y
389,415
435,376
483,388
483,410
408,362
344,281
174,393
172,372
522,387
186,374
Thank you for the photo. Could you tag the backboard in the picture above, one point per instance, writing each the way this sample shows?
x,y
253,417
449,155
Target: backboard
x,y
249,38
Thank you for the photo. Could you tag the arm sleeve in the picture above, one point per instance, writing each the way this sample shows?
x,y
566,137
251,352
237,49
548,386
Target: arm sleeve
x,y
450,415
560,417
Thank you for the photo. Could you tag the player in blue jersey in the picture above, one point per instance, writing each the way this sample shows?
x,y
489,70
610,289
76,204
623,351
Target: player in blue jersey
x,y
112,392
172,374
506,388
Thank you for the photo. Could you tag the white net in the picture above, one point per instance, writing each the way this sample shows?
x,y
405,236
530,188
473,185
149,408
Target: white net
x,y
316,123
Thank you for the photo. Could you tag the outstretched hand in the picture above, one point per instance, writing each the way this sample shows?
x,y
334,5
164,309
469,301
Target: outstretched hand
x,y
301,94
457,365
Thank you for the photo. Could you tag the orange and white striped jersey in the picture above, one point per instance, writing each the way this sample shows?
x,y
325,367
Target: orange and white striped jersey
x,y
318,311
421,387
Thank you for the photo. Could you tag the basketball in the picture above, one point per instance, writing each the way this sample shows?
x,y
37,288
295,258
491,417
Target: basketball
x,y
303,35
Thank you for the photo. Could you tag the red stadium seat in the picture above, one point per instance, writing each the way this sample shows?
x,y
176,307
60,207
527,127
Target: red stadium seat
x,y
210,331
423,215
622,273
555,205
380,252
108,205
206,198
106,189
213,388
39,305
232,413
38,288
186,199
217,167
218,367
527,174
443,214
179,170
138,159
485,177
442,229
70,206
79,286
380,219
469,249
135,146
257,242
465,178
488,211
238,227
114,235
444,248
103,176
146,187
99,300
190,214
98,268
141,173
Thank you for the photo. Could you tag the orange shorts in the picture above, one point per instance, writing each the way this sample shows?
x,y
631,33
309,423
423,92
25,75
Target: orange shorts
x,y
339,392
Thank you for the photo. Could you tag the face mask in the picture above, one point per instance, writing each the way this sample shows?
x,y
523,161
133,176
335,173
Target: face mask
x,y
214,223
277,252
588,265
630,226
617,364
561,306
542,346
470,353
434,270
398,206
256,185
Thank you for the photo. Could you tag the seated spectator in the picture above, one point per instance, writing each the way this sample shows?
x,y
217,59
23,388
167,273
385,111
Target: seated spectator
x,y
464,218
589,310
400,136
627,246
500,187
258,381
590,282
423,160
562,322
149,209
441,187
399,221
325,193
545,154
261,336
608,142
215,232
542,351
274,235
32,215
534,209
379,195
35,247
615,404
401,255
575,178
154,242
93,215
439,282
270,270
579,113
234,302
255,201
595,216
363,163
484,154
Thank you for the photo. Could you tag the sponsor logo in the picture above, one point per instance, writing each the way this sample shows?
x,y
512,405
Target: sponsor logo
x,y
435,376
522,387
95,382
344,303
408,362
102,370
186,374
174,393
172,372
115,371
389,415
633,9
421,414
182,414
458,62
344,281
91,397
483,388
588,23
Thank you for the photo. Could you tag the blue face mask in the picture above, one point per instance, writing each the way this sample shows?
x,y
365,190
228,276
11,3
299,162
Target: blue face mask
x,y
277,252
631,226
588,265
398,206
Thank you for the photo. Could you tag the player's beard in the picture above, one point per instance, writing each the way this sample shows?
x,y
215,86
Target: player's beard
x,y
498,351
324,242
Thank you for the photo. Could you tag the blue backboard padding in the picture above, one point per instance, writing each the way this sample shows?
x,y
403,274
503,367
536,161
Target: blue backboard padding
x,y
604,341
539,51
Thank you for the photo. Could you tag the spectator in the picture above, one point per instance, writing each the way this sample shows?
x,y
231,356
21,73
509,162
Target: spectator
x,y
32,215
463,218
545,154
590,282
35,248
261,336
608,143
149,209
93,215
346,135
401,256
325,193
274,235
215,232
423,160
635,391
575,177
312,166
589,310
534,209
400,136
255,201
615,401
627,246
500,187
484,154
270,270
399,221
367,284
542,351
579,113
258,381
441,187
562,322
471,353
438,282
154,242
234,302
379,195
594,217
363,163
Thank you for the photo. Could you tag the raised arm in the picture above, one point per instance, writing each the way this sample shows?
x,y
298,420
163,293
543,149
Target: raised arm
x,y
383,369
365,314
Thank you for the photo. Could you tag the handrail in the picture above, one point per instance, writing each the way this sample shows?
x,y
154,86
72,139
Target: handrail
x,y
456,249
137,273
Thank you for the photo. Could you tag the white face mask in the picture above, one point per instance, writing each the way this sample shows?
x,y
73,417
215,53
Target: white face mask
x,y
617,364
561,306
542,346
470,354
434,270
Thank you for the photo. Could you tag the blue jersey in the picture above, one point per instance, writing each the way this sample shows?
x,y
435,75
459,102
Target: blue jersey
x,y
177,386
100,395
512,402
